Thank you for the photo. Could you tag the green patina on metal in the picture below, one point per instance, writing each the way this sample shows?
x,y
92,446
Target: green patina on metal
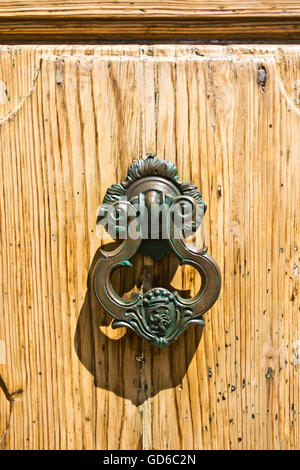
x,y
158,315
152,167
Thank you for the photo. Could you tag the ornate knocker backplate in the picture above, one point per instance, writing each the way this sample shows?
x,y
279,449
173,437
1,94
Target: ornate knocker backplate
x,y
153,212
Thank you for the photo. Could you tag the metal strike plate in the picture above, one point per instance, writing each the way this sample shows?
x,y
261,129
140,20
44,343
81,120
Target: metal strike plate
x,y
153,212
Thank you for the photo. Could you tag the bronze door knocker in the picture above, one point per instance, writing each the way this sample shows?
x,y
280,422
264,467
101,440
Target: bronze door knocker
x,y
152,189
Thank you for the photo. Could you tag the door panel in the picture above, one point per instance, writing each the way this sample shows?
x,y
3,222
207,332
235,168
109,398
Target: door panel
x,y
72,120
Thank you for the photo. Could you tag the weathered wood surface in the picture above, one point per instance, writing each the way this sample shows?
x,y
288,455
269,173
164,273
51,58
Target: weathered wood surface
x,y
71,120
150,8
54,21
80,31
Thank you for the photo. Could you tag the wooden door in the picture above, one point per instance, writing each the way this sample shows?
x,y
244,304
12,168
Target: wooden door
x,y
72,119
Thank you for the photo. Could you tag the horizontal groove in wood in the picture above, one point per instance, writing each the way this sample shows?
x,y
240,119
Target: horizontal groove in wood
x,y
97,29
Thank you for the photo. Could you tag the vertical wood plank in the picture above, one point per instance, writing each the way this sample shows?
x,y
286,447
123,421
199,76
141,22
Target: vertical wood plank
x,y
228,116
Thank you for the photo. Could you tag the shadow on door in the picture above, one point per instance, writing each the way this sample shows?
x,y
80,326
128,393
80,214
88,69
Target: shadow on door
x,y
122,362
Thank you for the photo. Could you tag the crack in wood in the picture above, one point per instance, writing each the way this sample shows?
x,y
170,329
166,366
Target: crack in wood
x,y
10,116
11,399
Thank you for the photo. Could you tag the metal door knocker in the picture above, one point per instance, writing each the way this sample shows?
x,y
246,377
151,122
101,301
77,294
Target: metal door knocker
x,y
153,212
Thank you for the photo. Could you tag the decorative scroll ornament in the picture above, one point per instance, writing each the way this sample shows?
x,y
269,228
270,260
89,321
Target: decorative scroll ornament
x,y
152,186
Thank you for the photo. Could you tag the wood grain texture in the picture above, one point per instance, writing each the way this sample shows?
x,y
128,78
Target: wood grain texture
x,y
80,31
147,9
80,21
72,118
